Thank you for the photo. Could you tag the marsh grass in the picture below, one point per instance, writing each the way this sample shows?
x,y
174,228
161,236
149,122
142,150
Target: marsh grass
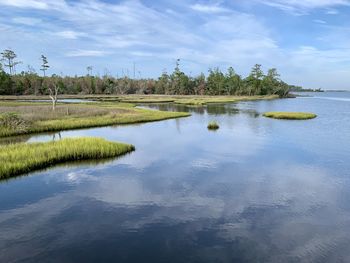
x,y
178,99
191,102
213,125
39,112
16,159
204,100
39,117
290,115
137,116
147,99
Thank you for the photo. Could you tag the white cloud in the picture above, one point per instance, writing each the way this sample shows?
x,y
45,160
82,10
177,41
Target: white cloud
x,y
86,53
302,7
319,21
332,12
68,34
310,53
141,54
209,8
308,3
35,4
324,68
29,21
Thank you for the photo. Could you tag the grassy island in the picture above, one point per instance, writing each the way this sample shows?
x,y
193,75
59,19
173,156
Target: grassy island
x,y
190,100
22,158
290,115
18,118
213,125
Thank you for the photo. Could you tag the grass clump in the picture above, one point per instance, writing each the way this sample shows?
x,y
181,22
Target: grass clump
x,y
290,115
16,159
213,125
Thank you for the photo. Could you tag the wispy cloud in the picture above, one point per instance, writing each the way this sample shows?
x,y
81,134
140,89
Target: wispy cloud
x,y
141,53
319,21
29,21
86,53
34,4
302,7
114,35
209,8
332,12
68,34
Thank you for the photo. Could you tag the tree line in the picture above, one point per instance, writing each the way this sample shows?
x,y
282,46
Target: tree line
x,y
29,82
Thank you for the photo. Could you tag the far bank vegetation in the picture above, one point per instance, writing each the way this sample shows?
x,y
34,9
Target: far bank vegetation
x,y
216,82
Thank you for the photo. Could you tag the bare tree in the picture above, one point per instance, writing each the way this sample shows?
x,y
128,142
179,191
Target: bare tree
x,y
53,92
52,86
9,56
45,64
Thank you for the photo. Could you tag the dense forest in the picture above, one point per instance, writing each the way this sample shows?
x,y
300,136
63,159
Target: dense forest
x,y
300,89
177,83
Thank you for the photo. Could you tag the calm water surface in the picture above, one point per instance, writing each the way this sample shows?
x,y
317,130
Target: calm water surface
x,y
256,190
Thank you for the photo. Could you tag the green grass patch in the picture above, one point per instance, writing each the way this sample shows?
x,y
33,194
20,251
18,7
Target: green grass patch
x,y
290,115
17,159
213,125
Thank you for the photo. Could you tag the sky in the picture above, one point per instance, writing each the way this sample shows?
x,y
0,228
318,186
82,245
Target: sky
x,y
308,41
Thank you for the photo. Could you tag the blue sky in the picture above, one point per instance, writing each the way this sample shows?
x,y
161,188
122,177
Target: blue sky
x,y
307,41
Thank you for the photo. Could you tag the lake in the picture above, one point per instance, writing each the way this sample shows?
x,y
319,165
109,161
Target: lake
x,y
256,190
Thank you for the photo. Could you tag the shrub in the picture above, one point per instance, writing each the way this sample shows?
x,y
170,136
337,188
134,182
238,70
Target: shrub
x,y
13,121
213,125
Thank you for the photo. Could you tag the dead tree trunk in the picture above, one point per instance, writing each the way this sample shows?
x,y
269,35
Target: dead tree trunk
x,y
53,92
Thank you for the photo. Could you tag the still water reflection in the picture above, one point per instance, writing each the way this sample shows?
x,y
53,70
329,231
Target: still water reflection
x,y
257,190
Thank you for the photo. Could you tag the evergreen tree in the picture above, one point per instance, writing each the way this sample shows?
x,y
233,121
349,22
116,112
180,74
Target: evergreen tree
x,y
45,64
216,82
233,82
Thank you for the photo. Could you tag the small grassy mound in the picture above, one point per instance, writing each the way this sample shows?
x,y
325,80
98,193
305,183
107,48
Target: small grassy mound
x,y
22,158
290,115
213,125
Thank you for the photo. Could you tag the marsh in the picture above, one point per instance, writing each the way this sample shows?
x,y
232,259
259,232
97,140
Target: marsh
x,y
258,189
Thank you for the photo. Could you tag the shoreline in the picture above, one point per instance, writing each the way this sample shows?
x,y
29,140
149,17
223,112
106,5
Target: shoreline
x,y
71,116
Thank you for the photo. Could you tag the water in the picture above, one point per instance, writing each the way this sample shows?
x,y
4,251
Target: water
x,y
256,190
